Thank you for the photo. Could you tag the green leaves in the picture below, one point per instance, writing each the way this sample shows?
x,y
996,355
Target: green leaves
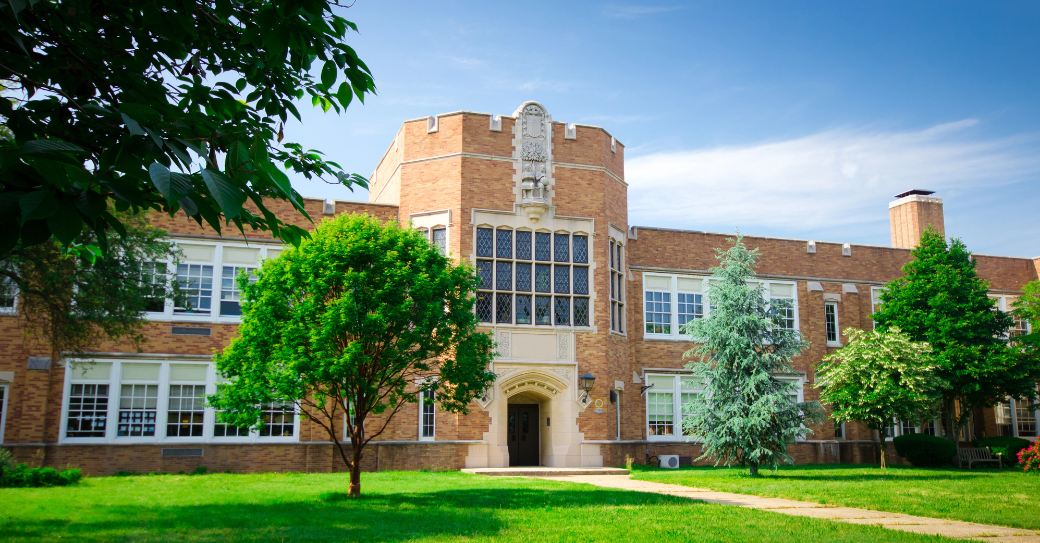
x,y
121,117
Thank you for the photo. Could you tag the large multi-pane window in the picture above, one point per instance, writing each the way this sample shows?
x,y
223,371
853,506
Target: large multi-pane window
x,y
830,316
672,301
532,278
230,295
667,400
617,287
196,281
156,401
153,285
207,277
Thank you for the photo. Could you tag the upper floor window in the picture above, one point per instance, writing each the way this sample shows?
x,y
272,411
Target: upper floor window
x,y
3,410
427,414
615,255
875,301
8,296
1007,304
532,278
830,316
671,301
1018,417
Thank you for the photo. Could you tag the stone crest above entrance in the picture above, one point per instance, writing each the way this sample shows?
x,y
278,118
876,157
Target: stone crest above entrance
x,y
532,153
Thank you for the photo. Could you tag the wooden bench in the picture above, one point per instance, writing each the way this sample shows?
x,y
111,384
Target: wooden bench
x,y
980,454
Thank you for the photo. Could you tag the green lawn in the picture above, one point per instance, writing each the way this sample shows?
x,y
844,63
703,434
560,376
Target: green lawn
x,y
397,506
1005,498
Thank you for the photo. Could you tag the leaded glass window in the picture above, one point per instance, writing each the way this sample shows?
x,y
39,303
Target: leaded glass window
x,y
439,238
561,252
581,312
484,272
485,242
503,308
523,245
563,279
542,251
484,306
504,275
581,248
542,277
523,309
563,310
542,310
581,280
523,277
504,244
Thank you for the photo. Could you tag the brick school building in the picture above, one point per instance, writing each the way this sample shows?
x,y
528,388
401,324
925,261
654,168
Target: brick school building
x,y
569,288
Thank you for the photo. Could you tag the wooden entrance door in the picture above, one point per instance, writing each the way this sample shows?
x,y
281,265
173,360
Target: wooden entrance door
x,y
522,425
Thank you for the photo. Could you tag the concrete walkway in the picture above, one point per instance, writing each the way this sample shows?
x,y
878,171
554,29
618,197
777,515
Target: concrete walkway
x,y
893,521
544,472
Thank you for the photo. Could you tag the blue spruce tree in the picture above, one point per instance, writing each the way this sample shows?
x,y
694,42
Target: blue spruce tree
x,y
746,413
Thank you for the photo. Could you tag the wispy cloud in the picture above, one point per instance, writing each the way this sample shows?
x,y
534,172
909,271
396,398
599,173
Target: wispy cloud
x,y
631,12
836,178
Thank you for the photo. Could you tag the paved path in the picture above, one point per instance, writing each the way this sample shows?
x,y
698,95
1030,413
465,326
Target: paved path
x,y
893,521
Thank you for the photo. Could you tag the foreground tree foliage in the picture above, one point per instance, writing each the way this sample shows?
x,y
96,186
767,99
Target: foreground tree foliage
x,y
353,321
133,104
878,376
1027,310
942,301
71,304
745,413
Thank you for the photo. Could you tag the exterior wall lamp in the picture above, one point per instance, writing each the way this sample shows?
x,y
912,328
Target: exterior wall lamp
x,y
586,382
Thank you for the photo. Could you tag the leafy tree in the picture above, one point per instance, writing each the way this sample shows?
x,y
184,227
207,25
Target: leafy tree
x,y
879,376
135,103
72,303
348,322
1027,310
941,300
745,413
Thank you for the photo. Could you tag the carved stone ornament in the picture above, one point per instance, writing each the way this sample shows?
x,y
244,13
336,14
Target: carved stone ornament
x,y
564,350
503,344
533,145
563,372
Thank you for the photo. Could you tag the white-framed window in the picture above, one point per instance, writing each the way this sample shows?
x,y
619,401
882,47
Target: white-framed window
x,y
439,239
830,315
665,398
4,393
1007,305
533,278
427,414
671,301
875,303
898,427
348,418
839,430
1017,417
156,401
230,295
8,296
616,252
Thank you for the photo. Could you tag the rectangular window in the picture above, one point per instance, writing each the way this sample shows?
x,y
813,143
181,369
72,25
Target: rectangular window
x,y
691,306
196,281
279,420
439,239
504,275
427,414
504,243
88,411
689,392
617,291
542,310
781,298
503,308
523,277
542,278
839,430
523,309
542,250
563,279
581,311
3,410
137,410
660,405
230,295
562,247
830,314
153,286
186,411
484,306
1025,415
907,428
581,280
581,249
485,242
8,296
658,312
875,302
221,429
563,311
484,272
523,245
1005,424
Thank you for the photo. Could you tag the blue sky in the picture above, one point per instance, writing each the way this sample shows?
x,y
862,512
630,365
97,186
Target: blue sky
x,y
789,119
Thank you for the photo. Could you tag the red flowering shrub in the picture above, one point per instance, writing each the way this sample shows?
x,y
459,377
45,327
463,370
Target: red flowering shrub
x,y
1029,458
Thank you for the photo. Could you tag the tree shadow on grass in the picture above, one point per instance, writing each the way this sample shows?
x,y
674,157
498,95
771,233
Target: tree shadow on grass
x,y
327,517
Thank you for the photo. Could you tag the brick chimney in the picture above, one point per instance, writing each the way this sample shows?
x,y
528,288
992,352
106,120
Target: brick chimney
x,y
912,213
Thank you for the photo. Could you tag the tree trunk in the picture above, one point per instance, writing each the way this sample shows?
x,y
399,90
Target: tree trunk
x,y
753,465
355,472
881,447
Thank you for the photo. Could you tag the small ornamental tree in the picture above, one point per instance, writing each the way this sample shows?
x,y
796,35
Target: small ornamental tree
x,y
745,413
941,300
879,376
349,322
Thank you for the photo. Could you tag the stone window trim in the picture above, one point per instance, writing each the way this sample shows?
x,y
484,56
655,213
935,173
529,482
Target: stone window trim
x,y
8,303
686,284
525,267
684,385
617,263
436,226
115,382
264,249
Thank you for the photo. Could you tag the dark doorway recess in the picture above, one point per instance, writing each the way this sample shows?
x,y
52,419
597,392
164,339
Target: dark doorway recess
x,y
522,424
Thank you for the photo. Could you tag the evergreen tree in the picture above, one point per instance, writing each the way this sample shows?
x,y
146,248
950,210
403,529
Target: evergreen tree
x,y
941,300
877,377
745,413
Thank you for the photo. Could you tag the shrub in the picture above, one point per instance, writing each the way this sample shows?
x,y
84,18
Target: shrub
x,y
6,462
199,470
925,451
1030,458
24,476
1007,447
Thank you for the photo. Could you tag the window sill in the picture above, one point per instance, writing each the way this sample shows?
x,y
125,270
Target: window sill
x,y
833,344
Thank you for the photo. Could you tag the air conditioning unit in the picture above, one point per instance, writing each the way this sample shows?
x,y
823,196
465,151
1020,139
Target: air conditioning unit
x,y
670,461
